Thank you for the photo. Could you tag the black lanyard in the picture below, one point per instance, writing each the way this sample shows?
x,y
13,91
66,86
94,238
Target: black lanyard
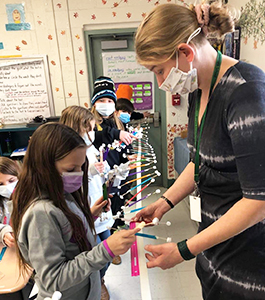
x,y
197,140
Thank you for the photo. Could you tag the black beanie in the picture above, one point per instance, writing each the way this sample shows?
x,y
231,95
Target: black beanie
x,y
103,88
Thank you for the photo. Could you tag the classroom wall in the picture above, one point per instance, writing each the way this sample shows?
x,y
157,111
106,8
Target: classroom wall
x,y
57,30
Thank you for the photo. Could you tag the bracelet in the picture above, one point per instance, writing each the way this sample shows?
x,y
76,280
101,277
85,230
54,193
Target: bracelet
x,y
168,202
184,250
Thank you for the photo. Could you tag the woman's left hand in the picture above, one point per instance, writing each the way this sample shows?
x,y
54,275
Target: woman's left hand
x,y
97,208
164,256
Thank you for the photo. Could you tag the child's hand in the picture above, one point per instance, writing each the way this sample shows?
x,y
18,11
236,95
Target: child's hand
x,y
99,166
9,239
121,241
126,137
132,157
97,208
146,114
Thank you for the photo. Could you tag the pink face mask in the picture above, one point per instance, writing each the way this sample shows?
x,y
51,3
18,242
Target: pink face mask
x,y
72,181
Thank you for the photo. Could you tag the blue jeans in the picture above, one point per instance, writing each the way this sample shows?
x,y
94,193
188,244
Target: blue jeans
x,y
100,238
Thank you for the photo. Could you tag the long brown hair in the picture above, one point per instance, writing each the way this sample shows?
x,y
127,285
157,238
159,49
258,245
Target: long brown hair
x,y
40,180
78,118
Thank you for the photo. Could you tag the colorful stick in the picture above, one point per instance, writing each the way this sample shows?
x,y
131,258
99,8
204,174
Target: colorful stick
x,y
155,237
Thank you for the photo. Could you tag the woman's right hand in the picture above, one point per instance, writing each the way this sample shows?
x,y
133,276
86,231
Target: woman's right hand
x,y
154,210
126,137
9,239
121,241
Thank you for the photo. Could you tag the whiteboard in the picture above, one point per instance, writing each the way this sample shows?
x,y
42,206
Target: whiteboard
x,y
25,89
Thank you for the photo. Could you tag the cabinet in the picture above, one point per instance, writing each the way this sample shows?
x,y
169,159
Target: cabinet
x,y
18,136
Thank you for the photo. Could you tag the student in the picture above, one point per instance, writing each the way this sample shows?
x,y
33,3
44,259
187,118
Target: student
x,y
227,144
9,171
108,126
83,122
52,221
126,92
124,109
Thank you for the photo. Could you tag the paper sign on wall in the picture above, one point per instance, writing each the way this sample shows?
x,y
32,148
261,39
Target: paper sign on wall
x,y
23,92
122,67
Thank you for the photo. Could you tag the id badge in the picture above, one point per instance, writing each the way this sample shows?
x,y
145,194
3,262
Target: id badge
x,y
195,208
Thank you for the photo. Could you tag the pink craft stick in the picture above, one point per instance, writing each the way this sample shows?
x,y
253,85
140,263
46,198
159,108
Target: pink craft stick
x,y
134,255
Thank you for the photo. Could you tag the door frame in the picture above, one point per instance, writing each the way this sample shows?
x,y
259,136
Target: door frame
x,y
88,35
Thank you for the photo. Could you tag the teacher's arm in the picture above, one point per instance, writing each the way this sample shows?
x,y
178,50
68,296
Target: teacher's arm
x,y
183,186
244,214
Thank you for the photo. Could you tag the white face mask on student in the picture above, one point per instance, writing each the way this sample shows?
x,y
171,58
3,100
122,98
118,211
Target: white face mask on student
x,y
91,135
181,82
105,109
7,190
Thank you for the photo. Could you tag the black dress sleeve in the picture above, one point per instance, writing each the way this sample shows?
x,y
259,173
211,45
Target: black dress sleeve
x,y
246,127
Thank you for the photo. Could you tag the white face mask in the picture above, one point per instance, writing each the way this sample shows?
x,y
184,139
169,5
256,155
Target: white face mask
x,y
181,82
7,190
91,135
105,109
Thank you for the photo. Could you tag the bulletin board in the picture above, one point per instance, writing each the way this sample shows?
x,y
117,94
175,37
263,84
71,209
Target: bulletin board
x,y
122,67
25,89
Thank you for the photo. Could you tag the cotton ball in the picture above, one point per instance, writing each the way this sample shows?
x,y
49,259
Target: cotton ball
x,y
158,191
56,295
155,221
169,240
168,223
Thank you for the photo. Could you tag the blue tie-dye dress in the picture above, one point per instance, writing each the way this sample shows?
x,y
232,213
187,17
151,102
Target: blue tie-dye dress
x,y
232,166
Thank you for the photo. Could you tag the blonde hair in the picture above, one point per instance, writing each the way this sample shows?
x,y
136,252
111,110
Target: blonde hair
x,y
78,118
99,118
169,25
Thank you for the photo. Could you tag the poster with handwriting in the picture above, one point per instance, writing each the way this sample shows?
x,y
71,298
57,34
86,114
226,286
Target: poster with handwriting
x,y
23,92
122,67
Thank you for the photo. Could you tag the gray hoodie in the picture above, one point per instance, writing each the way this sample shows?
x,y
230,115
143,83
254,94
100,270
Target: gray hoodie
x,y
45,243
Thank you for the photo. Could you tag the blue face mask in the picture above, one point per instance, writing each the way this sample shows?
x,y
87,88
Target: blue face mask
x,y
125,117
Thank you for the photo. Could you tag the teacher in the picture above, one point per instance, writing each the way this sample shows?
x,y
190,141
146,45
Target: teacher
x,y
226,139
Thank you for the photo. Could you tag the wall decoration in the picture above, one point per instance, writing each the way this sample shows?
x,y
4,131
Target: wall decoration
x,y
173,130
16,18
252,21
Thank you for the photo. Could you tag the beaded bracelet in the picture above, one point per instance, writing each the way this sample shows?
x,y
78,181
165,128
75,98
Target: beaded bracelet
x,y
168,201
184,250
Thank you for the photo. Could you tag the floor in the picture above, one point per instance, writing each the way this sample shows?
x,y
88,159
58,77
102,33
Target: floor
x,y
177,283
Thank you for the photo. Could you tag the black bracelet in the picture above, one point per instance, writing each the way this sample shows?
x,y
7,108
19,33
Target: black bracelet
x,y
184,250
168,201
